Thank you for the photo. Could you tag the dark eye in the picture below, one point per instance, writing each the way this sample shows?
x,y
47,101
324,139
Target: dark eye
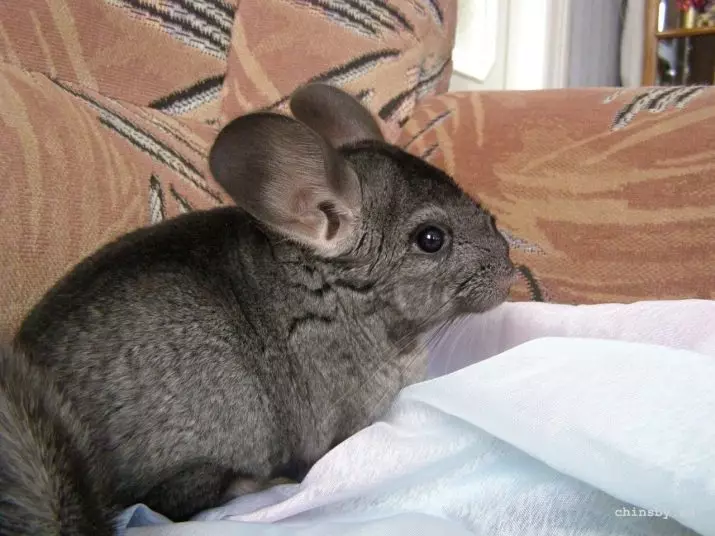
x,y
430,239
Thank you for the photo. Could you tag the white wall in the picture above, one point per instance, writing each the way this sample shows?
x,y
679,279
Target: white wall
x,y
496,79
530,45
546,44
527,44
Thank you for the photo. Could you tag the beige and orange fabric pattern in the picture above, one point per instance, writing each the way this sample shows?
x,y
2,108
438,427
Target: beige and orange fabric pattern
x,y
108,108
606,195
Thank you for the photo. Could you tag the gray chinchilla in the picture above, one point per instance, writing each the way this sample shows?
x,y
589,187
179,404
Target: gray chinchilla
x,y
52,477
245,342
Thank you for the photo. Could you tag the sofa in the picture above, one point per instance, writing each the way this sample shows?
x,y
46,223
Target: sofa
x,y
108,109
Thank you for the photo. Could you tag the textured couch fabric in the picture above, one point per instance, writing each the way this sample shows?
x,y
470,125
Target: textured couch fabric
x,y
606,195
108,108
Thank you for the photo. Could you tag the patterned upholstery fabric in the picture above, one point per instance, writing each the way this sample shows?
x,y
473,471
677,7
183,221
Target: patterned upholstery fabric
x,y
388,53
108,108
606,195
167,55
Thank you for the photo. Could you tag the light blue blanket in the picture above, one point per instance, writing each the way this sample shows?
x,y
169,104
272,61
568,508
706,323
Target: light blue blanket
x,y
555,437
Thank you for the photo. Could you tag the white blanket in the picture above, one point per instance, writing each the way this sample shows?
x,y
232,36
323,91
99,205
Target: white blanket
x,y
568,434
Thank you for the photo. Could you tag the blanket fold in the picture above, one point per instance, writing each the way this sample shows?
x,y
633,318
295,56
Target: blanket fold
x,y
569,433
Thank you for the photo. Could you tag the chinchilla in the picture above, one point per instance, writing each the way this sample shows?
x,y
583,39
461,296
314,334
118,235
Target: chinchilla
x,y
244,342
51,475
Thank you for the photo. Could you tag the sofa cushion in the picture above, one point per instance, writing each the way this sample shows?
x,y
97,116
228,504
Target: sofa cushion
x,y
168,54
606,195
108,107
390,54
80,169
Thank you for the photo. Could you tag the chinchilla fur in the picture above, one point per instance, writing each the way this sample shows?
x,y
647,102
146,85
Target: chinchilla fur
x,y
244,342
52,479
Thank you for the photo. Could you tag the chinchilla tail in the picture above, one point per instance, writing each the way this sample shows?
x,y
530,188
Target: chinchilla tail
x,y
47,464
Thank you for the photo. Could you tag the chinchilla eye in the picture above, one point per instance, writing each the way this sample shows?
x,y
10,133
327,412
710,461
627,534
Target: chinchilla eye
x,y
430,239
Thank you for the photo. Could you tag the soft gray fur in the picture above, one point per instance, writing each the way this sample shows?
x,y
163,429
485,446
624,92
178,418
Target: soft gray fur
x,y
246,342
51,477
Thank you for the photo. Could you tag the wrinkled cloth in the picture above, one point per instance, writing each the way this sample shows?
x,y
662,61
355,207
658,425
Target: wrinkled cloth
x,y
573,432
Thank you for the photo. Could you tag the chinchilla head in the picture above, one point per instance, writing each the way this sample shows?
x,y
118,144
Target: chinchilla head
x,y
375,218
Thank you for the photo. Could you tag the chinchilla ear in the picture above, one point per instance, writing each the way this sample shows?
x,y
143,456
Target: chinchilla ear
x,y
288,177
335,115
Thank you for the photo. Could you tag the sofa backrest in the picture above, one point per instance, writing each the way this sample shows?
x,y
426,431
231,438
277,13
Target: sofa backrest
x,y
211,60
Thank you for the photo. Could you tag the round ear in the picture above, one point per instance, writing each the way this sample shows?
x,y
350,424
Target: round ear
x,y
288,177
335,115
